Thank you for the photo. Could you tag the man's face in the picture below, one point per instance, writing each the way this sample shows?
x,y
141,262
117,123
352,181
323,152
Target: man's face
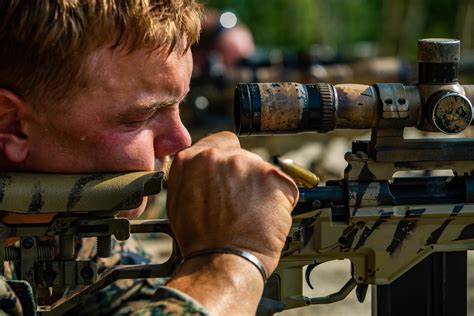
x,y
128,120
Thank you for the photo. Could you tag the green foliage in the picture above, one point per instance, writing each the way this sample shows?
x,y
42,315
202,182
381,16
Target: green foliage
x,y
442,18
276,22
391,23
300,23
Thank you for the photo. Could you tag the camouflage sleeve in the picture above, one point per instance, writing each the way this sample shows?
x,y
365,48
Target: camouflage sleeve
x,y
168,302
9,302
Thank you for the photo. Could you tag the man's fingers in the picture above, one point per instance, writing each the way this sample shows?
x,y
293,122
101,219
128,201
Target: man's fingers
x,y
292,194
224,140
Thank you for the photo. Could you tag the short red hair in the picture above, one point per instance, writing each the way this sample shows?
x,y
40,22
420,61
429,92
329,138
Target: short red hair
x,y
45,44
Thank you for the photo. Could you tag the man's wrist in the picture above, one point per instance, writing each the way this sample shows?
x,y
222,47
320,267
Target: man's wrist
x,y
234,251
217,280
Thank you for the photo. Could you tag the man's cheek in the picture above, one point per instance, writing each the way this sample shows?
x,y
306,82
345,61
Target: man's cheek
x,y
130,154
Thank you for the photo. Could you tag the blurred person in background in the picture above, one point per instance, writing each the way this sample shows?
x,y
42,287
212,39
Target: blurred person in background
x,y
224,43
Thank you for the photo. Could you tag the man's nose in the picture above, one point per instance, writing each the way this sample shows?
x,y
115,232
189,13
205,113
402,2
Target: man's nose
x,y
173,138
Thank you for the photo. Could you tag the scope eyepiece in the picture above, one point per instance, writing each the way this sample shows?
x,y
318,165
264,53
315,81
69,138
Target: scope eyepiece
x,y
284,107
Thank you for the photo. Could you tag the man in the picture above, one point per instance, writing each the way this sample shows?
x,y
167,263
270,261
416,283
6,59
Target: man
x,y
226,45
95,86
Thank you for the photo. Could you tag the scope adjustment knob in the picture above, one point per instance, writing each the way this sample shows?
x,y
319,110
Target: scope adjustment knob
x,y
449,112
328,107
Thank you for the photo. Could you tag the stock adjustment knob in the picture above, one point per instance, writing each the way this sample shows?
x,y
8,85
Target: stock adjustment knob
x,y
450,112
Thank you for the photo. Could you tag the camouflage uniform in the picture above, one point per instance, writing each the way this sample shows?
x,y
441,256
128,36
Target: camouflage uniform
x,y
9,302
120,298
168,301
123,295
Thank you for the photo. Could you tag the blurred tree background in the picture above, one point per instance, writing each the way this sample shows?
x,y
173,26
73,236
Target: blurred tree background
x,y
393,26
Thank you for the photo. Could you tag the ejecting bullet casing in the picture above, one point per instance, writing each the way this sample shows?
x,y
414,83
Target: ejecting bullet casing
x,y
300,174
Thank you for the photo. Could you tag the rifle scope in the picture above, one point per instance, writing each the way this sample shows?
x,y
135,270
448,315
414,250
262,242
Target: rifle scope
x,y
438,103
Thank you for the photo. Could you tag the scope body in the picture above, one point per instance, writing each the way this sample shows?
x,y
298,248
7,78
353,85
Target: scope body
x,y
437,103
287,107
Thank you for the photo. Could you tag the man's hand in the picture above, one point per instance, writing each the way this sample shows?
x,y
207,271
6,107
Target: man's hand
x,y
222,196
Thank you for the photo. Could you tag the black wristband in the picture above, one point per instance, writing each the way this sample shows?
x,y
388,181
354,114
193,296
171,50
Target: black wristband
x,y
234,251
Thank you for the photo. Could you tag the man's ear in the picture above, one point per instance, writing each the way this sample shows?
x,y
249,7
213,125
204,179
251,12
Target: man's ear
x,y
13,142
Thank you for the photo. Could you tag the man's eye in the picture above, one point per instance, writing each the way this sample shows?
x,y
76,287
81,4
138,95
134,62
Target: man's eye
x,y
148,117
145,118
